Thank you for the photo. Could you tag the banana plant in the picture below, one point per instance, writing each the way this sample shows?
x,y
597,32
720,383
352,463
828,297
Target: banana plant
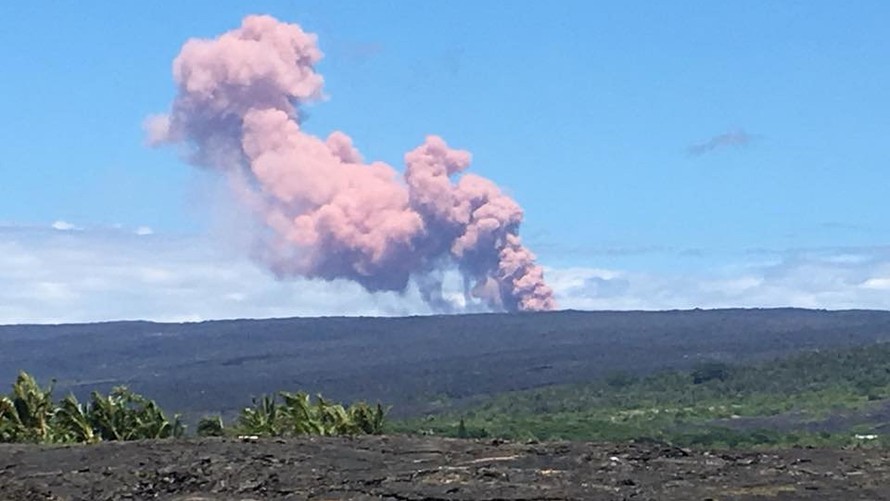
x,y
302,418
27,414
211,426
333,418
9,422
366,419
264,418
151,423
124,415
108,415
75,420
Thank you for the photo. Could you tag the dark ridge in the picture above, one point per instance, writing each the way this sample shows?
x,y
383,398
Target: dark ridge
x,y
215,366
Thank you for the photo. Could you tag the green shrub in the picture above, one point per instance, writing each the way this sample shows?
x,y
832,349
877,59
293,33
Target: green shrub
x,y
211,427
29,414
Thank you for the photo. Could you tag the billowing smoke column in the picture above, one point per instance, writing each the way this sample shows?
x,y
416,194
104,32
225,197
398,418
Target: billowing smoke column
x,y
326,213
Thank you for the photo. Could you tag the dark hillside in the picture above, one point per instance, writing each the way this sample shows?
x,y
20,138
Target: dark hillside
x,y
408,362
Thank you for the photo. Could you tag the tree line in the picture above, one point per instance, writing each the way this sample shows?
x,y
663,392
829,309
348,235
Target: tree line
x,y
823,397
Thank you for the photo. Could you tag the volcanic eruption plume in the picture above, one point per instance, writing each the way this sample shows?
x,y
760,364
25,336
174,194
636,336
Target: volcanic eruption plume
x,y
323,211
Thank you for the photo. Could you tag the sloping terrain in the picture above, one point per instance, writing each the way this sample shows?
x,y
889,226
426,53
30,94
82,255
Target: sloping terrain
x,y
406,468
216,366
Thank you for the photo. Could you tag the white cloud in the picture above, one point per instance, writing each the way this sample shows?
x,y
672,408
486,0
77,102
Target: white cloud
x,y
51,276
877,283
826,278
64,226
144,230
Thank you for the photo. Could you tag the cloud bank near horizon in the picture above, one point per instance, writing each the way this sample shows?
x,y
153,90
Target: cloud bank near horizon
x,y
59,275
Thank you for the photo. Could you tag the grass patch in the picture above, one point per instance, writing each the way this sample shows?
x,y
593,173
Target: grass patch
x,y
694,408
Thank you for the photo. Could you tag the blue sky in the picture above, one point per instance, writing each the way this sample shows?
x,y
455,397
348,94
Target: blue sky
x,y
584,111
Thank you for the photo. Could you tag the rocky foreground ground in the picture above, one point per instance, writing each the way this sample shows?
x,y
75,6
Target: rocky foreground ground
x,y
423,468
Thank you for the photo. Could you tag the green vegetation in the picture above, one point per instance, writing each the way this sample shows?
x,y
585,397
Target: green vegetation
x,y
715,405
296,414
824,398
30,415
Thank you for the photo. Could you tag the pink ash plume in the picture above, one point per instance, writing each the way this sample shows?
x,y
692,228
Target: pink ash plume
x,y
324,212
